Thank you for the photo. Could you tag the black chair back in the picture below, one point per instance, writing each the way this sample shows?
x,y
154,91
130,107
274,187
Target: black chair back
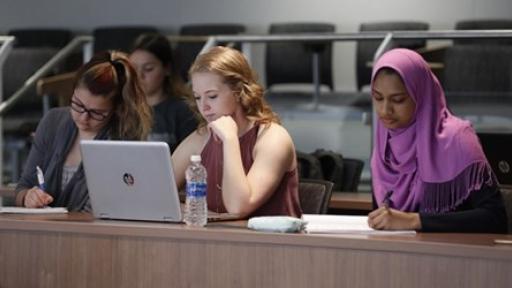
x,y
118,37
366,49
352,170
506,193
288,62
315,195
21,64
50,38
186,52
477,69
483,24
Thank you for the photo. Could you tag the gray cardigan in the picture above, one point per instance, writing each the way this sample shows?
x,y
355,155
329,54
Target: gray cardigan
x,y
54,137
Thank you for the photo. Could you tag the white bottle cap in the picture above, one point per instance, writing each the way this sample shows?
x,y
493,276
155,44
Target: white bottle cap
x,y
195,158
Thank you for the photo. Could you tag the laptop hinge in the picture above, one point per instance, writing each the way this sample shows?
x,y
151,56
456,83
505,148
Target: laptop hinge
x,y
168,218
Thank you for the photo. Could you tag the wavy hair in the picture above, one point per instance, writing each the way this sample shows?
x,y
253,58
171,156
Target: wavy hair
x,y
159,46
110,75
232,66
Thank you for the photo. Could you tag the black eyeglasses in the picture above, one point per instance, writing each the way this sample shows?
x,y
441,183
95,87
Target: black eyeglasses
x,y
80,108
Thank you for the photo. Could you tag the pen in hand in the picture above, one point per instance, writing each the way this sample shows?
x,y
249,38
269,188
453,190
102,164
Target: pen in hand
x,y
40,178
387,199
44,197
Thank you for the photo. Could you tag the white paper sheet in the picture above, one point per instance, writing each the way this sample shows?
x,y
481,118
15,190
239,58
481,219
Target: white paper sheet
x,y
24,210
344,224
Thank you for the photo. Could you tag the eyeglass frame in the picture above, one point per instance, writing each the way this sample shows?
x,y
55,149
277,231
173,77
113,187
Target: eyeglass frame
x,y
91,113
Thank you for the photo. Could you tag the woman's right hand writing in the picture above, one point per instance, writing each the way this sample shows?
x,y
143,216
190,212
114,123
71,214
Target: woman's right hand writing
x,y
36,198
385,218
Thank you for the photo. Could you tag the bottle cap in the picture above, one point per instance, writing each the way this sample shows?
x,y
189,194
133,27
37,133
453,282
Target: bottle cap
x,y
195,158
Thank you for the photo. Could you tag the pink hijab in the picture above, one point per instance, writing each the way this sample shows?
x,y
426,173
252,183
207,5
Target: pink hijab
x,y
437,161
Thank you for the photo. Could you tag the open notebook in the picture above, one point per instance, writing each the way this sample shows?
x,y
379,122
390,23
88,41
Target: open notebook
x,y
344,224
25,210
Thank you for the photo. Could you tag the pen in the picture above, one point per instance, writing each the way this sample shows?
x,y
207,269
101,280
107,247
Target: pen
x,y
40,178
387,199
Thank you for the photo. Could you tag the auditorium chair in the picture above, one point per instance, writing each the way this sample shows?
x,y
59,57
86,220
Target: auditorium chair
x,y
118,37
186,51
367,48
292,62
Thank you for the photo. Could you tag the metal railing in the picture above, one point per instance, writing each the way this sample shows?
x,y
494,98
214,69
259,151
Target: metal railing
x,y
31,81
386,36
6,46
311,38
44,70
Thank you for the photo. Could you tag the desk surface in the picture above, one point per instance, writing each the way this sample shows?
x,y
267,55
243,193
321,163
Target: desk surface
x,y
351,201
74,250
363,200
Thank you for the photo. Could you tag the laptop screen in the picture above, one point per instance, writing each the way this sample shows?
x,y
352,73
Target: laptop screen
x,y
131,180
134,180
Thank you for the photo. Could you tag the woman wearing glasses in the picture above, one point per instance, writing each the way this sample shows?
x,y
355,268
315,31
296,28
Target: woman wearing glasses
x,y
107,103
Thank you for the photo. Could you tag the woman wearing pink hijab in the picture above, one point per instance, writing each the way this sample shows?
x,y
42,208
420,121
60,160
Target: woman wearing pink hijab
x,y
429,171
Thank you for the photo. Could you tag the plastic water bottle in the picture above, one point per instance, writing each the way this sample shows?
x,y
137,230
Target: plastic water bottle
x,y
196,211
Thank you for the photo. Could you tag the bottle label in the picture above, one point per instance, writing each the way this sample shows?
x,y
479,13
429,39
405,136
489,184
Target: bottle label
x,y
196,189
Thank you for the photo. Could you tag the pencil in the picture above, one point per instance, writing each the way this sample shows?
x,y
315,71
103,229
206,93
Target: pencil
x,y
387,199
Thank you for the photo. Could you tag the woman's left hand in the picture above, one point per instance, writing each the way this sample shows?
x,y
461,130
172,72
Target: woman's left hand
x,y
224,128
390,219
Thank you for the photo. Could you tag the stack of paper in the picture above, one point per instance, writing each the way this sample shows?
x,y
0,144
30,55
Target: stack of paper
x,y
24,210
344,224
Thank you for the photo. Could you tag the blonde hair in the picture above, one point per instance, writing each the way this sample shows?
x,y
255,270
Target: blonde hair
x,y
232,66
110,75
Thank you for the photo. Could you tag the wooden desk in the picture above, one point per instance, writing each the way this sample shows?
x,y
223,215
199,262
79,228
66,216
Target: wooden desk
x,y
76,251
363,201
351,201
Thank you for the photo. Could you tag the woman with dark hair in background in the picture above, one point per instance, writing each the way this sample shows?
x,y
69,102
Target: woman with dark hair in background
x,y
107,103
172,119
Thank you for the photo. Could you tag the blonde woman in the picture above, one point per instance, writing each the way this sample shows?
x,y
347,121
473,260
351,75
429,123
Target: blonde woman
x,y
249,156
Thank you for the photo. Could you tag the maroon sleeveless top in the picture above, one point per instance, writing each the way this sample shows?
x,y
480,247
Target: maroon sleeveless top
x,y
284,200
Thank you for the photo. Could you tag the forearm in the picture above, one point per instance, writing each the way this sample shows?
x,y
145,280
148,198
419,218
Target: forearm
x,y
470,221
483,212
236,192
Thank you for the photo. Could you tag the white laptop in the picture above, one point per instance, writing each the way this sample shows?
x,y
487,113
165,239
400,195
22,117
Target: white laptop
x,y
131,180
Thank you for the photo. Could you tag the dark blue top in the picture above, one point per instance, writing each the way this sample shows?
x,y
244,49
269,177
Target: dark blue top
x,y
172,122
